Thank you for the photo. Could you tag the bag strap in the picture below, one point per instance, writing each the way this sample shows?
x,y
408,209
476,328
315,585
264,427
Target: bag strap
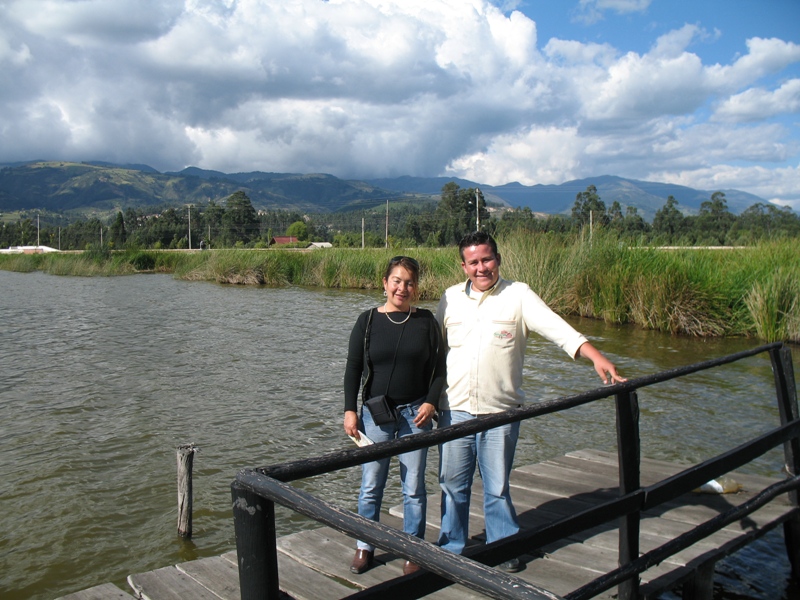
x,y
368,379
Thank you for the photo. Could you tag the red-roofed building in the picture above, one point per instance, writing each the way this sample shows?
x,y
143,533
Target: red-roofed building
x,y
279,240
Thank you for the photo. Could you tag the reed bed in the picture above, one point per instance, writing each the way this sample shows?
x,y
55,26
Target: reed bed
x,y
752,291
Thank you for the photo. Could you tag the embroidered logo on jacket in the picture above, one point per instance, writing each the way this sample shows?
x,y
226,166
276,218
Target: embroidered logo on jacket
x,y
503,334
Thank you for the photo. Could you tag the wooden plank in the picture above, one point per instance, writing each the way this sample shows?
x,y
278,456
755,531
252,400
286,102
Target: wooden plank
x,y
216,574
610,458
651,471
559,577
556,482
326,551
589,478
597,558
106,591
331,552
610,540
702,507
302,583
168,583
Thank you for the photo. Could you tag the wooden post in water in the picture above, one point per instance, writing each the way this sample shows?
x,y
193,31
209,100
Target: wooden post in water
x,y
185,462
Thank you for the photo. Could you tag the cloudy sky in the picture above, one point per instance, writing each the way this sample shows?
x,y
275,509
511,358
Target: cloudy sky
x,y
704,93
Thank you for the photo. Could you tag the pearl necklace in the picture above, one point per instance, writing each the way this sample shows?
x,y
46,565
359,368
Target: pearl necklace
x,y
386,312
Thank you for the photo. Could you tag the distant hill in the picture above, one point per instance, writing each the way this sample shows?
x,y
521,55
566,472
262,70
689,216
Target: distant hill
x,y
104,187
647,196
65,186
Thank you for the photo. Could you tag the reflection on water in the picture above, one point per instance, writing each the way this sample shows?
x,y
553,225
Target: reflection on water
x,y
102,378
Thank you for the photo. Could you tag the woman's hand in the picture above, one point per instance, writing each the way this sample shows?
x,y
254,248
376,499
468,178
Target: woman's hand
x,y
351,423
424,415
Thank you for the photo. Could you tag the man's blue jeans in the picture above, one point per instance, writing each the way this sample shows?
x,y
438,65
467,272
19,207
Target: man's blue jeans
x,y
493,451
412,473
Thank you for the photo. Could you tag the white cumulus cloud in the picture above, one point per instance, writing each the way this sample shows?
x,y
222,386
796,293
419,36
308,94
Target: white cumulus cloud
x,y
756,104
373,88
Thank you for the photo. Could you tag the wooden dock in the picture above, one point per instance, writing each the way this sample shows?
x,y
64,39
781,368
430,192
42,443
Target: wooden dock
x,y
314,564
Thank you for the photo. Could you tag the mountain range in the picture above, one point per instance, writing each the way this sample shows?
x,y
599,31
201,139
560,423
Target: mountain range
x,y
100,187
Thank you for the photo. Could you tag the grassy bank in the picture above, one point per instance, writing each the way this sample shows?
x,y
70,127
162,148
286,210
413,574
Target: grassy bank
x,y
750,291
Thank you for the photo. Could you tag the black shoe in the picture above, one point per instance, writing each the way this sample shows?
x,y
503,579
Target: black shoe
x,y
362,561
510,566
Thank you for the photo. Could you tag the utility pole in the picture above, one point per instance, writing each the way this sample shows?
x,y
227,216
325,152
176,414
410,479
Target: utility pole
x,y
477,209
387,223
190,227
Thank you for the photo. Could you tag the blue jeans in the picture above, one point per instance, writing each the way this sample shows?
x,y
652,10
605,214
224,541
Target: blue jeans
x,y
412,472
493,451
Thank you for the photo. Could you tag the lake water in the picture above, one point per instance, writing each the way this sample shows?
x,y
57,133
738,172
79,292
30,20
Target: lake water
x,y
102,378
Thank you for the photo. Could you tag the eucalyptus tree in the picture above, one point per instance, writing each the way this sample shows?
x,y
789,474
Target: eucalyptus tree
x,y
459,212
240,219
669,223
117,233
714,221
589,207
763,222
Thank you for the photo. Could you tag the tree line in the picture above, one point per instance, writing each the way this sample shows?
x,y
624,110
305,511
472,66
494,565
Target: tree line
x,y
236,223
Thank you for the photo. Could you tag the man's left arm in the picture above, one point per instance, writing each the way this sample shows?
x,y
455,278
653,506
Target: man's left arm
x,y
604,367
542,319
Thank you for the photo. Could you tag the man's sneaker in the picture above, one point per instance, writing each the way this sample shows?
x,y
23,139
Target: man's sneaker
x,y
510,566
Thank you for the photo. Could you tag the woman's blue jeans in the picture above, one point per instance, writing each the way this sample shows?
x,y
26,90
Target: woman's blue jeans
x,y
412,472
493,451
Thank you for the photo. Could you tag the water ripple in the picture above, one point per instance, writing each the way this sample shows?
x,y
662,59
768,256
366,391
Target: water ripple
x,y
102,378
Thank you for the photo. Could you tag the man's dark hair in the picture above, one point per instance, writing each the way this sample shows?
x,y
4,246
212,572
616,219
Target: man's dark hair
x,y
476,238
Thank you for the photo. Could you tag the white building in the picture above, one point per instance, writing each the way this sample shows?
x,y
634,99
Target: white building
x,y
27,250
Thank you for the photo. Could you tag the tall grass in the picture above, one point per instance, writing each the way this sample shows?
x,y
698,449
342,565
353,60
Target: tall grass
x,y
746,292
774,305
694,292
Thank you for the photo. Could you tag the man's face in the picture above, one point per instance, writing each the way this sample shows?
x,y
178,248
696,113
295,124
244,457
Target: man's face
x,y
482,266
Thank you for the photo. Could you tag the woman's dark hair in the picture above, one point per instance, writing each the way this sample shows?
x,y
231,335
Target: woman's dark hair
x,y
476,238
408,263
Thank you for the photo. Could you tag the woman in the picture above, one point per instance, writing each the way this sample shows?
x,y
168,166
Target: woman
x,y
395,350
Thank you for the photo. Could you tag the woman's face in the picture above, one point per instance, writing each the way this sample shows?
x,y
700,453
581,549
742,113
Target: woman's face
x,y
400,289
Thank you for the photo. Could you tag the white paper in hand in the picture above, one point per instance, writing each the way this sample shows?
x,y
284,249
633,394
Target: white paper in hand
x,y
362,441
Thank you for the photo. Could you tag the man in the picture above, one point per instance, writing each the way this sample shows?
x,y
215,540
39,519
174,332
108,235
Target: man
x,y
485,323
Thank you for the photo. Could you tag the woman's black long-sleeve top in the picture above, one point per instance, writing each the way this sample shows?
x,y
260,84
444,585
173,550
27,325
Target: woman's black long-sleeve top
x,y
419,369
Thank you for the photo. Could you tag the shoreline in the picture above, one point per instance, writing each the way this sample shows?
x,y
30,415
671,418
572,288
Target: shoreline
x,y
744,291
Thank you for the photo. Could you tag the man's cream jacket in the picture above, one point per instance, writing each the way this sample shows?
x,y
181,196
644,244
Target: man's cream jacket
x,y
485,336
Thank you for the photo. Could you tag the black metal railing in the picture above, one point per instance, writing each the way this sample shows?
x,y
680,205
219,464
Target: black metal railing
x,y
255,492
